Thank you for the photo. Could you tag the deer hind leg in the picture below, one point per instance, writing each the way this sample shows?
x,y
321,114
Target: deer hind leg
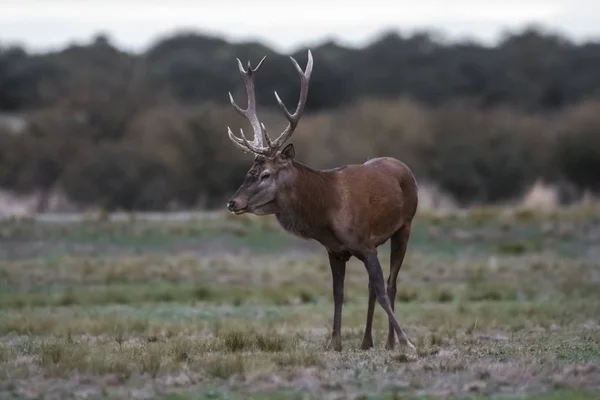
x,y
371,262
399,242
337,263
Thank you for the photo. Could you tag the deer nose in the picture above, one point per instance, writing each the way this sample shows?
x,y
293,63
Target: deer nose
x,y
231,205
237,206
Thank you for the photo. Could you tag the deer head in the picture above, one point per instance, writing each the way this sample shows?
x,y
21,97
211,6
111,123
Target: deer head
x,y
273,168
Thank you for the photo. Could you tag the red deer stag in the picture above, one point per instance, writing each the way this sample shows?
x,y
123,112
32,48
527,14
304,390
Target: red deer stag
x,y
350,210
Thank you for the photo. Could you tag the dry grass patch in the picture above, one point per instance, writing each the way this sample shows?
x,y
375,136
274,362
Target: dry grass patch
x,y
216,357
299,358
226,366
248,339
59,358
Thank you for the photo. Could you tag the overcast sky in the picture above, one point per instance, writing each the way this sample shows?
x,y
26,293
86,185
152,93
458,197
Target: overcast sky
x,y
284,24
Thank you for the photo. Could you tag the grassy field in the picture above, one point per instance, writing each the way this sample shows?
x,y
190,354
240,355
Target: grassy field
x,y
500,303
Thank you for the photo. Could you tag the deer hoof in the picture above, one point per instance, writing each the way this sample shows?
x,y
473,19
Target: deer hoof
x,y
409,344
366,345
335,344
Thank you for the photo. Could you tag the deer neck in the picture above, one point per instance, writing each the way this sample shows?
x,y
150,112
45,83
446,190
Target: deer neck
x,y
304,204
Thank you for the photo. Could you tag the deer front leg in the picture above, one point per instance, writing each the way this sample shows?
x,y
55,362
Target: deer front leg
x,y
338,272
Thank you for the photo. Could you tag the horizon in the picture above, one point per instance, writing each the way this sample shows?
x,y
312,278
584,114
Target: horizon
x,y
49,27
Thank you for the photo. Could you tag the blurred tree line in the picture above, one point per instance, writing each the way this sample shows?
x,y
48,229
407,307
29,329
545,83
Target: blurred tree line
x,y
141,131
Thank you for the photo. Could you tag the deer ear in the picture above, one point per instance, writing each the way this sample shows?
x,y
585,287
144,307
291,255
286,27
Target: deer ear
x,y
288,152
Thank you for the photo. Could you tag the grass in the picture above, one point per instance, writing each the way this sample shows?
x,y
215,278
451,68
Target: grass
x,y
394,395
501,304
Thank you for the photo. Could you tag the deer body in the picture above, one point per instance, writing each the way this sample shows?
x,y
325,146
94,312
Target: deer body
x,y
350,210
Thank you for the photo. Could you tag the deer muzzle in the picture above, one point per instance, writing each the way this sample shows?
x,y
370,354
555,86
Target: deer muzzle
x,y
236,206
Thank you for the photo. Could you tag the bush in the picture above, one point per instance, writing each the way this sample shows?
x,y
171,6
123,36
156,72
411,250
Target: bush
x,y
180,153
481,157
118,177
578,146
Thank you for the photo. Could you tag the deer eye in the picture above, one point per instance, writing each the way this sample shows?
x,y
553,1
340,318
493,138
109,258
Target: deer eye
x,y
265,175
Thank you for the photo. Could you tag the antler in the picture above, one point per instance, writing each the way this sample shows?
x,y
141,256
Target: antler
x,y
256,146
295,117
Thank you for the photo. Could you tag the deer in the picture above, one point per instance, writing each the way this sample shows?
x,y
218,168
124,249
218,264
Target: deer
x,y
350,210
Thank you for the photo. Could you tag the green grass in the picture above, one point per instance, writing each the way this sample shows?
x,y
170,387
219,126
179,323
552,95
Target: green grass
x,y
501,304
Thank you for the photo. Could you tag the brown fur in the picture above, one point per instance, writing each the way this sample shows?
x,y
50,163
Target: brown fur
x,y
357,207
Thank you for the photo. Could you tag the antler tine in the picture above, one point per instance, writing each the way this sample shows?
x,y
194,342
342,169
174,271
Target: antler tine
x,y
241,143
295,117
267,138
256,145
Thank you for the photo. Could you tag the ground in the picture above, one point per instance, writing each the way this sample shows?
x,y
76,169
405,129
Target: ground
x,y
500,303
